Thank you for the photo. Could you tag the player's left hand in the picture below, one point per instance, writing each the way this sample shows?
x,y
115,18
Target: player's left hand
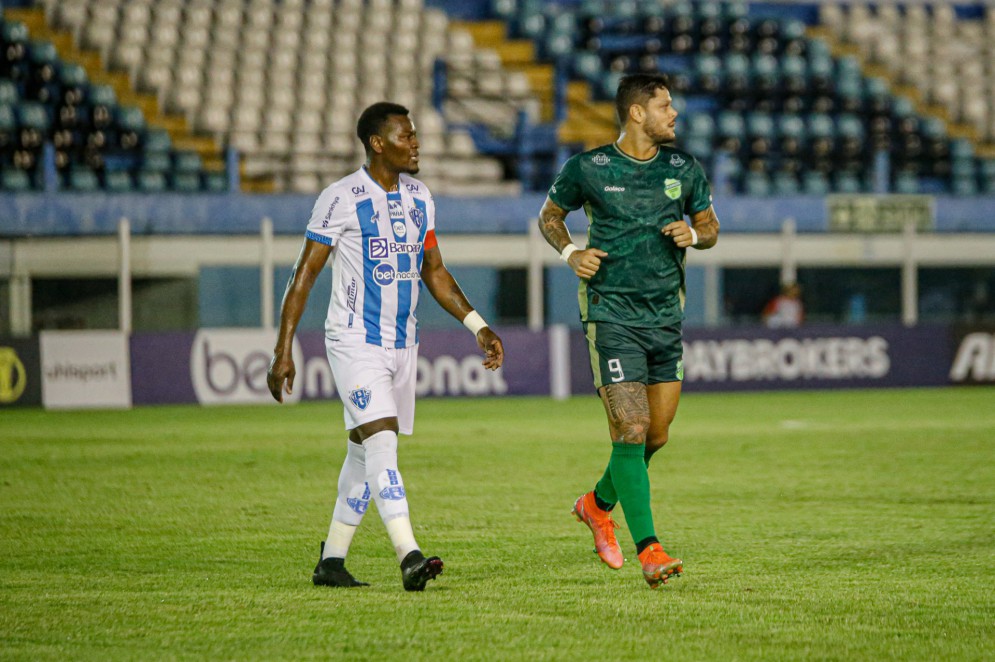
x,y
680,232
492,347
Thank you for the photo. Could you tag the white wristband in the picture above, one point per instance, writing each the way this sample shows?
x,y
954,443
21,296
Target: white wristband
x,y
694,237
567,251
474,322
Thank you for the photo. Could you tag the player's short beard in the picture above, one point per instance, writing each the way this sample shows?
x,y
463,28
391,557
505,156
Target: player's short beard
x,y
656,135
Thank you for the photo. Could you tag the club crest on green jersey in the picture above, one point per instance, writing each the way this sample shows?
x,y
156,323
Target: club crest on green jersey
x,y
672,187
600,159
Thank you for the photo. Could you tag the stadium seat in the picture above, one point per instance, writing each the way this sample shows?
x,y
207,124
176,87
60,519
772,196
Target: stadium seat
x,y
118,182
151,182
15,180
83,180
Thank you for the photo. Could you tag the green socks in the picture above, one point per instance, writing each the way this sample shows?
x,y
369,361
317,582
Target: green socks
x,y
604,491
627,476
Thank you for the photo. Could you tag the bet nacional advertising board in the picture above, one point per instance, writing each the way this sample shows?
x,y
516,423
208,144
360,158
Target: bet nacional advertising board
x,y
86,369
228,366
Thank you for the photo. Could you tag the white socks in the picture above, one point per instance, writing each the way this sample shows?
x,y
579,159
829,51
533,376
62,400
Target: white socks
x,y
350,505
370,469
388,490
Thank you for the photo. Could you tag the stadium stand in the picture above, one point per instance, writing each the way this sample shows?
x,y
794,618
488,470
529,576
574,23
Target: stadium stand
x,y
773,105
60,130
283,82
774,100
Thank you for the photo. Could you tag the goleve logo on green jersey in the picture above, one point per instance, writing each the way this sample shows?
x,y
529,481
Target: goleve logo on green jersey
x,y
672,187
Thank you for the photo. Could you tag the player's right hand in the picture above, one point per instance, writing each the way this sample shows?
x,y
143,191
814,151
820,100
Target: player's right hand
x,y
586,263
281,369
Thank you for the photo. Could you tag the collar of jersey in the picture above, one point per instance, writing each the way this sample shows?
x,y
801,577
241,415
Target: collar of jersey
x,y
632,158
377,184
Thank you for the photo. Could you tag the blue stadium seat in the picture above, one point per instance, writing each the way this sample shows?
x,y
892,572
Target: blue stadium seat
x,y
701,125
32,115
730,124
964,185
215,182
130,118
83,179
186,182
15,180
151,182
815,183
820,125
157,162
103,95
9,95
785,183
118,182
187,162
759,125
699,147
157,140
791,126
847,182
756,183
906,182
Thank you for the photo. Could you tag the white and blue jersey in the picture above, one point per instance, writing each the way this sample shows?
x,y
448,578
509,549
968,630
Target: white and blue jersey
x,y
380,240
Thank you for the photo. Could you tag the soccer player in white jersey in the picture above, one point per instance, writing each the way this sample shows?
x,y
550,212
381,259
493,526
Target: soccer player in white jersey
x,y
378,225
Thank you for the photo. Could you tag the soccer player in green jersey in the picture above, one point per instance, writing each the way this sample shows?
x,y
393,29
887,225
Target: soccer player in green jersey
x,y
636,193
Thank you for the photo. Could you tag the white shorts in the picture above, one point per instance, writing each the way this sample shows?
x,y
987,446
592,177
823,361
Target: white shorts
x,y
374,382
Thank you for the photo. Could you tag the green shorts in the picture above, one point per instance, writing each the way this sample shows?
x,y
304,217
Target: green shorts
x,y
631,354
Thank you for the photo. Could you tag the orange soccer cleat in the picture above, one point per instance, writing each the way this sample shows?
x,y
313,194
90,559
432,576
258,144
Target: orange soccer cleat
x,y
658,566
603,527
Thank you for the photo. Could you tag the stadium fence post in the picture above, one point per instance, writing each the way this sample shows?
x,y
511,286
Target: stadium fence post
x,y
559,361
534,277
124,275
789,261
266,272
910,275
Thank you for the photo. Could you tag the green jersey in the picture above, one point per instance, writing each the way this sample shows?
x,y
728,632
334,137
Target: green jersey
x,y
641,281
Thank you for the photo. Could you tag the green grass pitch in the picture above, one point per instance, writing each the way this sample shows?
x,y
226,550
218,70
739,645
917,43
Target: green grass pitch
x,y
850,525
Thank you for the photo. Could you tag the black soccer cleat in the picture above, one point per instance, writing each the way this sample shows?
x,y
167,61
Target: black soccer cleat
x,y
416,570
332,572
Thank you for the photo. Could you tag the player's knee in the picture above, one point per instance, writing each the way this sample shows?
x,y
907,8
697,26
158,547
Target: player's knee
x,y
632,432
367,430
655,443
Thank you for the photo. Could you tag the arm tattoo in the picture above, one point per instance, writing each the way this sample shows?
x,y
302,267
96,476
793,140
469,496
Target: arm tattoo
x,y
706,224
552,224
628,412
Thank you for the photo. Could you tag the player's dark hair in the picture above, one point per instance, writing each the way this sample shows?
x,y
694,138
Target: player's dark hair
x,y
372,121
636,88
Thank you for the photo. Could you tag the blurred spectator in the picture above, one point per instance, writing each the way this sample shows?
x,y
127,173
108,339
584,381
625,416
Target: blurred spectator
x,y
786,309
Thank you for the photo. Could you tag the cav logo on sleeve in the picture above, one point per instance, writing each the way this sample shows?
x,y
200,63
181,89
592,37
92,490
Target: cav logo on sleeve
x,y
378,248
672,187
